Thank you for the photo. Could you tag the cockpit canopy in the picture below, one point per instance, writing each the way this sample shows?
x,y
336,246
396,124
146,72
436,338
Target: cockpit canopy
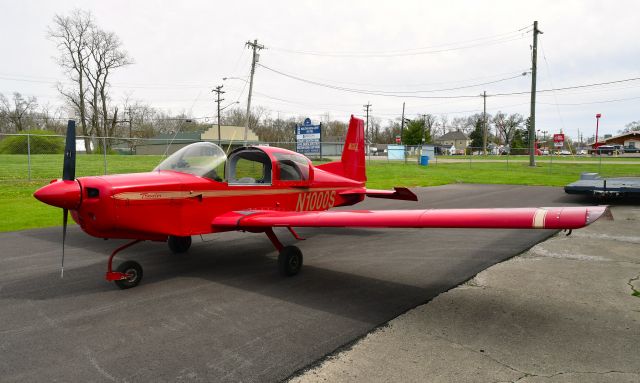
x,y
244,166
204,159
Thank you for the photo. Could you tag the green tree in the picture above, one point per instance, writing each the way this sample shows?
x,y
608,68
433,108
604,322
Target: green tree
x,y
413,133
520,140
477,135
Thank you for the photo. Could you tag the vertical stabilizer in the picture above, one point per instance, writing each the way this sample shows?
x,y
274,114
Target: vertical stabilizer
x,y
352,164
353,161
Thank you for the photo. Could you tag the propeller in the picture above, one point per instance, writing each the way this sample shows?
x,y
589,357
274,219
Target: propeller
x,y
68,174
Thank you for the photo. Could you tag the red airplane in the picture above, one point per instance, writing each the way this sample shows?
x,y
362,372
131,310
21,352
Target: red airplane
x,y
201,190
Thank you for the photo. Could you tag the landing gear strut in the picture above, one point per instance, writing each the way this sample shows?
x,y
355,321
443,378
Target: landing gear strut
x,y
290,257
128,274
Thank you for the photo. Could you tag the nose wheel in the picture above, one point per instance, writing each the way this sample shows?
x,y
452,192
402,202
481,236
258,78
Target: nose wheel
x,y
131,273
128,274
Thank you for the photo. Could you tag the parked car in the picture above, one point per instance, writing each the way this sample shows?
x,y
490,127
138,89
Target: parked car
x,y
619,149
582,152
565,153
604,149
631,149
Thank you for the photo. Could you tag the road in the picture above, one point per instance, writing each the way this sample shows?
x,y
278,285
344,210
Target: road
x,y
221,312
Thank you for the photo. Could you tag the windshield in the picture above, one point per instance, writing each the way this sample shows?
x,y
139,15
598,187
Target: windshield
x,y
203,159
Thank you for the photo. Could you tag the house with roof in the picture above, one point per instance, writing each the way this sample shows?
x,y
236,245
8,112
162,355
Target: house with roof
x,y
454,138
628,140
228,134
230,138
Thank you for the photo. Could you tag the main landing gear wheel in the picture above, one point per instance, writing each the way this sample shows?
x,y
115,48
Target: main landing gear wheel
x,y
133,271
289,261
179,245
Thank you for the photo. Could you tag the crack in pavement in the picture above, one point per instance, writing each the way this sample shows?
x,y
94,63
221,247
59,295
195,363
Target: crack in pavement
x,y
634,292
526,374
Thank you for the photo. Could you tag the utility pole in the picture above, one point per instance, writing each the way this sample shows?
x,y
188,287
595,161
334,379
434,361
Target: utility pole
x,y
532,116
484,123
218,90
402,124
130,131
255,47
424,128
367,106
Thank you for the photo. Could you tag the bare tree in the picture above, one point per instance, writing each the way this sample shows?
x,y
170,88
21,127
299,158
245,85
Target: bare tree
x,y
19,111
88,55
507,125
441,128
71,34
107,55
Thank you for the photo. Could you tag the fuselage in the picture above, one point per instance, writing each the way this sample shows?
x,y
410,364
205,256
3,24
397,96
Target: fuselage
x,y
157,204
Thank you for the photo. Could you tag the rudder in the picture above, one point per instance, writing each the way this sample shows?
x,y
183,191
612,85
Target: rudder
x,y
353,160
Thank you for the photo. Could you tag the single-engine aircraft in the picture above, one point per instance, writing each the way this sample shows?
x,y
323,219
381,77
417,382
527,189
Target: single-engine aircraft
x,y
200,190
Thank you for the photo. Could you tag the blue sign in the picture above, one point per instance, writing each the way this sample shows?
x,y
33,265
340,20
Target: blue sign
x,y
308,138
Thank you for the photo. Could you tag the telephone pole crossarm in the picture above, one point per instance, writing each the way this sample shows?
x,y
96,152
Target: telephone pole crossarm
x,y
367,107
218,90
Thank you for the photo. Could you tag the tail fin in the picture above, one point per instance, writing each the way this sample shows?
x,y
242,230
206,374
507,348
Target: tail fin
x,y
353,153
352,164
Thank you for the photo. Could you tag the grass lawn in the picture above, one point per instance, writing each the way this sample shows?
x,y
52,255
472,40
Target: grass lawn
x,y
547,158
19,210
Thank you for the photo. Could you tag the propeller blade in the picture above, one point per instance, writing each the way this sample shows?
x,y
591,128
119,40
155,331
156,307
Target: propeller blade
x,y
65,213
69,167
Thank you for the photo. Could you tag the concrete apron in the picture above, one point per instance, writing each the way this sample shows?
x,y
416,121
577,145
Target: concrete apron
x,y
564,311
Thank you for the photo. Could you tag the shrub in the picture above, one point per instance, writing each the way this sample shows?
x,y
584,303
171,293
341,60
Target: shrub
x,y
38,141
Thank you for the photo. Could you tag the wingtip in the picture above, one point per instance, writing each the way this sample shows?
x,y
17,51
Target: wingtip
x,y
598,212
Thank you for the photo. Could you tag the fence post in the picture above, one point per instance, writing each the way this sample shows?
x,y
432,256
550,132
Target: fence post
x,y
29,157
508,155
600,164
104,153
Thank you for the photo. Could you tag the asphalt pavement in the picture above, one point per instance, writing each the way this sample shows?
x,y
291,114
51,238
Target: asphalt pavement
x,y
221,312
567,310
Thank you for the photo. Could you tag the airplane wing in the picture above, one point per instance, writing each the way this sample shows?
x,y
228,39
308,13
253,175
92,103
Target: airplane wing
x,y
503,218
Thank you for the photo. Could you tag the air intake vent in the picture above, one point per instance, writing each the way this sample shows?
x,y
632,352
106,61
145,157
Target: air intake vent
x,y
93,193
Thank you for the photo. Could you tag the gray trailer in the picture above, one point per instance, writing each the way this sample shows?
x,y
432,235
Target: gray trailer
x,y
593,184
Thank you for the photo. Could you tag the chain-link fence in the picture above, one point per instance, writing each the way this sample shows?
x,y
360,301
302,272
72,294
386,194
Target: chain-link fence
x,y
27,157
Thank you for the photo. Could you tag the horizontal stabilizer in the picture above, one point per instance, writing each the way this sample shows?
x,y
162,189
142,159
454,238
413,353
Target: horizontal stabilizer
x,y
398,193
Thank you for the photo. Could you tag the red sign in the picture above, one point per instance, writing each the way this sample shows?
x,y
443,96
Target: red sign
x,y
397,139
558,140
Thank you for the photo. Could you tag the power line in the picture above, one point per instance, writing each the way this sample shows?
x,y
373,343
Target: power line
x,y
570,87
387,94
593,102
359,91
495,39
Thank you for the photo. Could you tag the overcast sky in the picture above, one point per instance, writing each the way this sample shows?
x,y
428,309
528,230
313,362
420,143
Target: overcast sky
x,y
182,49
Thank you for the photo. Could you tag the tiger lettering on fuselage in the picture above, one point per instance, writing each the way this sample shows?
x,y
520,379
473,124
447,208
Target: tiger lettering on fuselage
x,y
316,200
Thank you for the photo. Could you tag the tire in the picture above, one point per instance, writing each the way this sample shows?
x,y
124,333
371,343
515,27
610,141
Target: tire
x,y
133,270
179,245
289,261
